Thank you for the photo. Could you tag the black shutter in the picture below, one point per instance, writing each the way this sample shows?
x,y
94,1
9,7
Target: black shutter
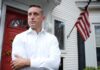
x,y
81,52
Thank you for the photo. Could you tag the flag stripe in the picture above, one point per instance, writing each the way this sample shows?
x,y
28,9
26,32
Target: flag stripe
x,y
81,31
86,17
83,25
87,27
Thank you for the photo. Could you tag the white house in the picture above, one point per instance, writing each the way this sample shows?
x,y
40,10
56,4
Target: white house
x,y
61,17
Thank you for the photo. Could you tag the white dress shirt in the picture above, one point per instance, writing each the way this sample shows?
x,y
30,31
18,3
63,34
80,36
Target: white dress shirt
x,y
42,49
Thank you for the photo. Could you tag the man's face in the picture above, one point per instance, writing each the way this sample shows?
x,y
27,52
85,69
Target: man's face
x,y
35,17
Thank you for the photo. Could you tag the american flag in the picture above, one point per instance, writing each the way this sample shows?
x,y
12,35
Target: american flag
x,y
83,26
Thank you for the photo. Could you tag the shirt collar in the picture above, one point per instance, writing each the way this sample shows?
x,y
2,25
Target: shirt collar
x,y
30,30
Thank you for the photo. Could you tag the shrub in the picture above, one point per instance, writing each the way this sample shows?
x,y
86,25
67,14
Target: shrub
x,y
98,68
90,68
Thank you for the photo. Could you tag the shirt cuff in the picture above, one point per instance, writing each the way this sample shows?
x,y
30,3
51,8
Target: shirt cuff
x,y
37,62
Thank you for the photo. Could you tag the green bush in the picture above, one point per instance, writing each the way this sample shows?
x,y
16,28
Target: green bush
x,y
98,68
92,68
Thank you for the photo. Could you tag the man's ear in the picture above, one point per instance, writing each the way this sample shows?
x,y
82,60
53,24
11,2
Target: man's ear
x,y
44,17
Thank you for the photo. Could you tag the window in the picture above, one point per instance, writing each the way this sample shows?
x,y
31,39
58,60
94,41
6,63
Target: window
x,y
98,0
97,37
98,55
59,28
59,33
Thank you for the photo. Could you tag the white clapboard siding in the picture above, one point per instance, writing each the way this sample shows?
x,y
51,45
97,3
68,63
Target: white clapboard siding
x,y
69,12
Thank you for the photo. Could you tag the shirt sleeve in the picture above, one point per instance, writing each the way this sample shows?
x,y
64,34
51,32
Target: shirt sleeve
x,y
18,47
53,61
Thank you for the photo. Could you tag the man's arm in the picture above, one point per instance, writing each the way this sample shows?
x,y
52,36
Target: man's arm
x,y
18,54
20,62
50,62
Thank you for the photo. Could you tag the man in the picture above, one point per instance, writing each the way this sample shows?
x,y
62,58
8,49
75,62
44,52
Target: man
x,y
35,49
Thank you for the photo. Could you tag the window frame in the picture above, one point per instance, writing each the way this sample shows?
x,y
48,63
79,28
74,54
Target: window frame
x,y
96,24
63,51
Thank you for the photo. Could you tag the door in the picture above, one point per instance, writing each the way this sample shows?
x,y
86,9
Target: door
x,y
15,23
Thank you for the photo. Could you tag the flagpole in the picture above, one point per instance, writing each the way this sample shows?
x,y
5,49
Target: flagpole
x,y
70,32
74,24
87,5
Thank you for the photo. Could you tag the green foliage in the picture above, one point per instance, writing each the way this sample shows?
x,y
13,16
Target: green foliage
x,y
90,68
98,68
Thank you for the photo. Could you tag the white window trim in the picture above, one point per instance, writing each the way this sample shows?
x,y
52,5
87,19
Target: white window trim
x,y
63,52
96,24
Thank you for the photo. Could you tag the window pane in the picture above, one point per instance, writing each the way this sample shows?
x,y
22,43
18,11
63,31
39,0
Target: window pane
x,y
98,56
59,32
97,34
98,41
97,28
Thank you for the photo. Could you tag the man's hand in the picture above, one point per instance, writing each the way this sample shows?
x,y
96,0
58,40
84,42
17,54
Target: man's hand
x,y
20,62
